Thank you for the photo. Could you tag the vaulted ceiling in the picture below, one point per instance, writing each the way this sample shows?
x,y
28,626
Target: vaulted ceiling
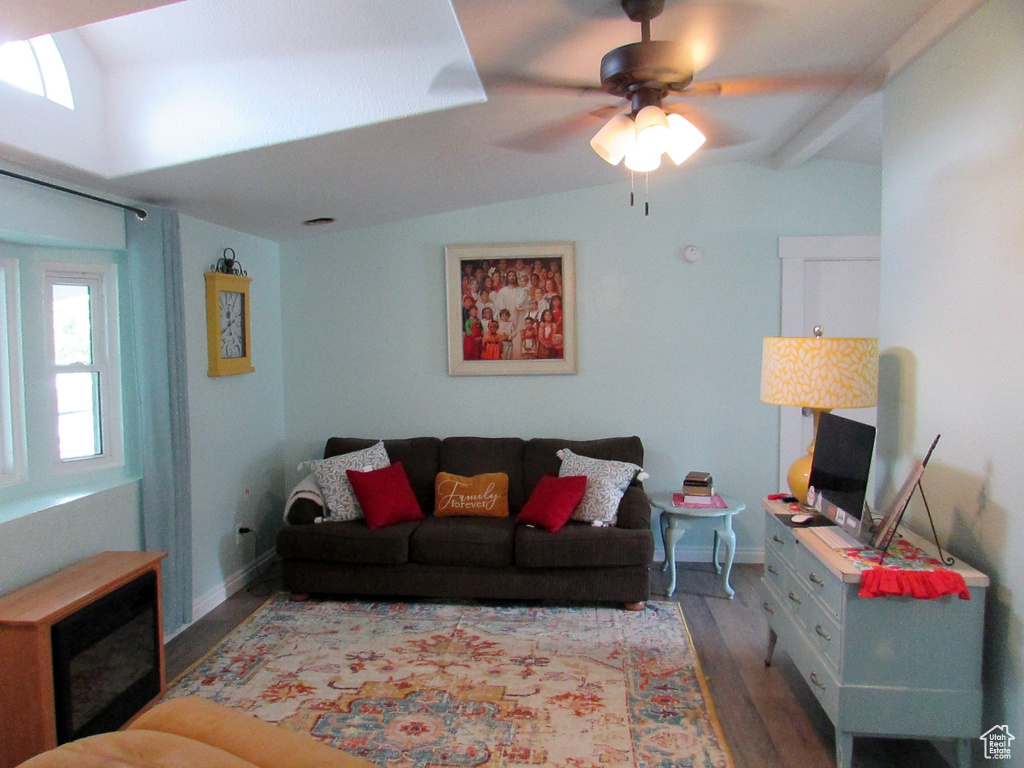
x,y
260,114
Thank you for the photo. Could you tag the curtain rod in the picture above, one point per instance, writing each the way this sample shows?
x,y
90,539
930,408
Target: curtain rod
x,y
137,211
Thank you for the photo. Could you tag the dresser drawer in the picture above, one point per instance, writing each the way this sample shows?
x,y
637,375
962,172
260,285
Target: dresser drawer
x,y
820,582
779,539
820,678
774,567
825,633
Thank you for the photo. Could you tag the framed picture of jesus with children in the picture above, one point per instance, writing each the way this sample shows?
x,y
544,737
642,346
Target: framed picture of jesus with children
x,y
511,308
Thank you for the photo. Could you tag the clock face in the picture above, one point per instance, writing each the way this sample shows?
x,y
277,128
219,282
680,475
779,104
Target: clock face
x,y
232,324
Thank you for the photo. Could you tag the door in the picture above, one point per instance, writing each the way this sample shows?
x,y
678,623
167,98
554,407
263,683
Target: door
x,y
832,282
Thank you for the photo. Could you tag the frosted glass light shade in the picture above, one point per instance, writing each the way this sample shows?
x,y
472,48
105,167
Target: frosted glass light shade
x,y
615,139
641,160
820,372
652,129
684,138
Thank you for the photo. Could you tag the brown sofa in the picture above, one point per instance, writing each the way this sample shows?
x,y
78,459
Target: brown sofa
x,y
476,557
191,732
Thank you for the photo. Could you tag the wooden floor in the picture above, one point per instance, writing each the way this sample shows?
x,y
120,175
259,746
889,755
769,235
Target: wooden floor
x,y
769,716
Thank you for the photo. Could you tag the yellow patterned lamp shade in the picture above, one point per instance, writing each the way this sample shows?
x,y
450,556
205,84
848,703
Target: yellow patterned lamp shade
x,y
822,374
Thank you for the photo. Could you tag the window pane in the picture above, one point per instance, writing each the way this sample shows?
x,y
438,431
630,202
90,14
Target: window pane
x,y
51,67
72,325
78,415
19,68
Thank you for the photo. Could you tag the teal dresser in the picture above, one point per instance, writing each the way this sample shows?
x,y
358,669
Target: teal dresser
x,y
884,666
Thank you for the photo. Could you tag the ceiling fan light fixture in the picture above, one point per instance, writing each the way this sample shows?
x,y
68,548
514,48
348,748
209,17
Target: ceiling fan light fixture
x,y
684,138
615,139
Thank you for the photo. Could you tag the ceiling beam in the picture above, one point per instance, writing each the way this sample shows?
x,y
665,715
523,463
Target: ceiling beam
x,y
862,96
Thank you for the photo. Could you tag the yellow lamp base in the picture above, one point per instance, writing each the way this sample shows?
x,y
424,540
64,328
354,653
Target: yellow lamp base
x,y
799,477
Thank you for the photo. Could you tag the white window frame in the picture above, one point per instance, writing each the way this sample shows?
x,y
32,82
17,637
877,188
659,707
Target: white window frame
x,y
13,459
102,282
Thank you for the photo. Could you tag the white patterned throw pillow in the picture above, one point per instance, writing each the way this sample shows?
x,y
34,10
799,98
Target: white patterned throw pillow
x,y
330,475
606,482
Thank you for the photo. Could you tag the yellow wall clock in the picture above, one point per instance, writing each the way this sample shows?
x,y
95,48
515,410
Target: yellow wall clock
x,y
228,324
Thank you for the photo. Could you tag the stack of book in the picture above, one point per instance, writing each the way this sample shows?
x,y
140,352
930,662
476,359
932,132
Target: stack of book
x,y
698,491
698,487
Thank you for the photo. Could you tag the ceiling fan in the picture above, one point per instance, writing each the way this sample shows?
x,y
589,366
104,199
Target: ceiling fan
x,y
649,75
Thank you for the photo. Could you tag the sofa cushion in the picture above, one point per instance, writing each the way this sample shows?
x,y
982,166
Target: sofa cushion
x,y
334,484
477,455
463,541
606,482
552,502
419,456
477,496
385,496
346,542
579,545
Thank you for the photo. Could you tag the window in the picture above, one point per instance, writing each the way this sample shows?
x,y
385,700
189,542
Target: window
x,y
36,66
12,431
82,363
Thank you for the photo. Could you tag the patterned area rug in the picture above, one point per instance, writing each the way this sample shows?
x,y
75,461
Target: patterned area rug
x,y
412,685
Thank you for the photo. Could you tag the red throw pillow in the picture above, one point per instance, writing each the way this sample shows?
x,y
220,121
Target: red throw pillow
x,y
385,496
552,502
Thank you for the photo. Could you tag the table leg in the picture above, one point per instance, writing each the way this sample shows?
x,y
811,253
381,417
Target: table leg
x,y
714,556
672,537
729,537
663,524
963,753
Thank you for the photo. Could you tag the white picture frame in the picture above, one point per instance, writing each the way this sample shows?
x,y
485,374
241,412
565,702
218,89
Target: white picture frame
x,y
539,334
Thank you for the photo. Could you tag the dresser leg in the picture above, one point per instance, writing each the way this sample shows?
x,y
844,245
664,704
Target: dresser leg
x,y
844,749
772,639
963,753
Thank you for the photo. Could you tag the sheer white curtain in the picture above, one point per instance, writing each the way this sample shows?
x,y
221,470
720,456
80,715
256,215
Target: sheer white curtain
x,y
155,279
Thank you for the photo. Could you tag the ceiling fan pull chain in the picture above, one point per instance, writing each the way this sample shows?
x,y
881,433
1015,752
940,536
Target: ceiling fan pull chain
x,y
632,197
647,194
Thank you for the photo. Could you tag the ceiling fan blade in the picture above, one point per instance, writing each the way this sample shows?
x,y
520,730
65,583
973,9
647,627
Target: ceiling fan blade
x,y
718,134
510,81
555,135
766,85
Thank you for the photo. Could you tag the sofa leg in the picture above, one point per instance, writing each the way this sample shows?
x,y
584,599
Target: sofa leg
x,y
634,606
299,597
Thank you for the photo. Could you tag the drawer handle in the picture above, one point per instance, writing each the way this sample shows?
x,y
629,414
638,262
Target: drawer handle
x,y
775,537
816,681
771,569
795,599
816,579
822,633
767,607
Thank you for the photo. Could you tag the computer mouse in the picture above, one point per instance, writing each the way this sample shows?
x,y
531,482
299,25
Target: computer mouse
x,y
801,519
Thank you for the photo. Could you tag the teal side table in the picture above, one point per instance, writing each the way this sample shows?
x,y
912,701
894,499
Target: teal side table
x,y
674,521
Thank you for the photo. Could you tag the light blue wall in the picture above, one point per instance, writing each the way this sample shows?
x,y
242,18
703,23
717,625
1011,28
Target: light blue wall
x,y
951,315
236,422
667,350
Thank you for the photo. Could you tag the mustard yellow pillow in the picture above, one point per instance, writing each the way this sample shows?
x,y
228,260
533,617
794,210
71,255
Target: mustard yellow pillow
x,y
479,496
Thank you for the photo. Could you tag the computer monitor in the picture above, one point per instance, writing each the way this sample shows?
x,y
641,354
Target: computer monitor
x,y
839,472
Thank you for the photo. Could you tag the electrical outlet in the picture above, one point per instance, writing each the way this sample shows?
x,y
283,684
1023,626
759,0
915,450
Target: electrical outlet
x,y
242,531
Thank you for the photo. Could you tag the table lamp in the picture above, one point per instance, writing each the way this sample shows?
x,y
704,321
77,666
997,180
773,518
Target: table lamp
x,y
821,374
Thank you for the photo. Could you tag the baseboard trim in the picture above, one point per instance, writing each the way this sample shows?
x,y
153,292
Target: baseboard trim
x,y
703,554
235,582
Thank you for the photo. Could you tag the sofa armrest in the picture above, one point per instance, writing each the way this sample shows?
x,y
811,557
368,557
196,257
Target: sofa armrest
x,y
245,736
635,508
